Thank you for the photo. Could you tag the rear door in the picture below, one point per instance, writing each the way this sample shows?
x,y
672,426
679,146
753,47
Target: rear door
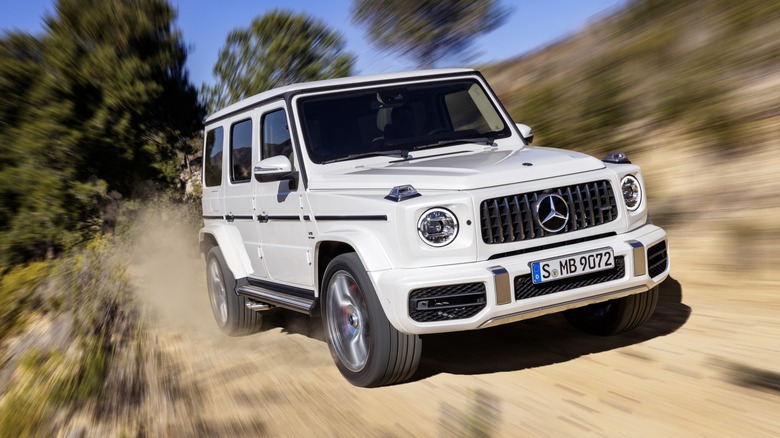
x,y
239,209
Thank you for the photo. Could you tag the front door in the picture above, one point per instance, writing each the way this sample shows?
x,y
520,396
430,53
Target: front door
x,y
280,206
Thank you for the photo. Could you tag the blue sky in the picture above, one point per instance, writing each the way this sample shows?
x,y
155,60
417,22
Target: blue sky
x,y
205,25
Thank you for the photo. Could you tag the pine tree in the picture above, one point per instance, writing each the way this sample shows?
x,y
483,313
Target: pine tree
x,y
278,48
98,104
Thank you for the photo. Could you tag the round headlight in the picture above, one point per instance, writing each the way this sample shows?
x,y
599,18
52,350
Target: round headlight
x,y
632,192
437,227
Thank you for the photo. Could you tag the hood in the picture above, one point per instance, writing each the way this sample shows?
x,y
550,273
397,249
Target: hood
x,y
459,171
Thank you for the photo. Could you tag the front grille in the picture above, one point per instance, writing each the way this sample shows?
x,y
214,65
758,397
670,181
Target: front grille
x,y
525,287
511,218
657,259
444,303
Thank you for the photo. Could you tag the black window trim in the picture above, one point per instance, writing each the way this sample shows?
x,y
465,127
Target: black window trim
x,y
497,106
230,145
261,131
207,158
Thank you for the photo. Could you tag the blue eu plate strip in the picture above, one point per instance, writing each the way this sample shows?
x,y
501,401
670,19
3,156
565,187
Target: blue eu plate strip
x,y
537,272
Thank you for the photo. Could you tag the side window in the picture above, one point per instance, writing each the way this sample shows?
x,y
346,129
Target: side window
x,y
212,172
276,135
241,151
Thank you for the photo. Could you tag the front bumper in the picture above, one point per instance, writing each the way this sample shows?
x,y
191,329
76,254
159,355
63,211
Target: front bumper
x,y
499,277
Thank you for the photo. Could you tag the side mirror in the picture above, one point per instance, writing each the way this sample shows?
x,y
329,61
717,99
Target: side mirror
x,y
526,132
276,168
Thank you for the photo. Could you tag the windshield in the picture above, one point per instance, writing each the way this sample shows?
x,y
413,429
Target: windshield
x,y
354,124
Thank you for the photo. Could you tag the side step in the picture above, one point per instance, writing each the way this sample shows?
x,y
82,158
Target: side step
x,y
257,307
275,298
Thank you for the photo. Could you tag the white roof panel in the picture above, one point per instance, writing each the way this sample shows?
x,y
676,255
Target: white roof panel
x,y
351,80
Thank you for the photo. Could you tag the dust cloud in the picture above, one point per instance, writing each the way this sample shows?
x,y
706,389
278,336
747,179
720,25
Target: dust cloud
x,y
168,274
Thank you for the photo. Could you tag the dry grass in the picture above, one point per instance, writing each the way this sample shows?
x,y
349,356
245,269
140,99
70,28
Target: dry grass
x,y
76,355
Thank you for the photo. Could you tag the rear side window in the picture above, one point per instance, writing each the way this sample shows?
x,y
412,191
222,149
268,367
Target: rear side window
x,y
212,172
241,151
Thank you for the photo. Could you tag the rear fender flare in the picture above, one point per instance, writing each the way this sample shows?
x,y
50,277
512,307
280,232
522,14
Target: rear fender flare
x,y
231,245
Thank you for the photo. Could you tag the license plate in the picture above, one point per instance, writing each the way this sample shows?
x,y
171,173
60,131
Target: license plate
x,y
572,265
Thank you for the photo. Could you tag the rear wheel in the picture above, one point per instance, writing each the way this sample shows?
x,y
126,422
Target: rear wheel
x,y
367,349
614,316
230,311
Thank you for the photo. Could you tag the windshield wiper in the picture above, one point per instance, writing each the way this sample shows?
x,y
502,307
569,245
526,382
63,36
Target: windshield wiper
x,y
483,140
403,153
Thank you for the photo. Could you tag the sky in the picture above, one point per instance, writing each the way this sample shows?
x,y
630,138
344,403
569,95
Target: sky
x,y
205,25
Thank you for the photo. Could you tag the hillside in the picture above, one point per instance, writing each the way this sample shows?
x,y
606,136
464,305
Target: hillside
x,y
691,90
707,68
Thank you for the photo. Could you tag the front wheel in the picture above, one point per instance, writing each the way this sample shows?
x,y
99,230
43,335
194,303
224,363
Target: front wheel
x,y
367,349
614,316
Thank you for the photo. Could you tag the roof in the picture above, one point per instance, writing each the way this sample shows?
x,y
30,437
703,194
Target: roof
x,y
352,80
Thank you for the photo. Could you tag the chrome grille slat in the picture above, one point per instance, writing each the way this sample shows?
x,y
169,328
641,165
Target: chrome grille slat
x,y
518,216
510,230
485,219
598,202
571,202
583,217
592,214
511,218
530,216
608,199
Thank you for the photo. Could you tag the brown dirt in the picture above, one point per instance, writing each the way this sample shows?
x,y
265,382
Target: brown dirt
x,y
705,364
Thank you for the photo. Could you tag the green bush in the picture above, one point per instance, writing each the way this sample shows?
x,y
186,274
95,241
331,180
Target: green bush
x,y
18,288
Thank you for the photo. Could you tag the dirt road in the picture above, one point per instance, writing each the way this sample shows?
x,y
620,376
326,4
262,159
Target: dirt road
x,y
705,364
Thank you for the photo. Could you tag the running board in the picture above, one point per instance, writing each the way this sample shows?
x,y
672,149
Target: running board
x,y
278,299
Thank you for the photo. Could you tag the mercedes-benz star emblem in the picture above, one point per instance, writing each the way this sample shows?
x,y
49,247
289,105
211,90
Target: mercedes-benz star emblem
x,y
552,212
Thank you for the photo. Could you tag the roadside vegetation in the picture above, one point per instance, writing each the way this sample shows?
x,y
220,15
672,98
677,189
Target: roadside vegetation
x,y
97,116
76,343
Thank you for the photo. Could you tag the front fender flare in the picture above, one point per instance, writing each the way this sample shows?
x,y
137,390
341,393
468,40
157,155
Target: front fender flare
x,y
365,245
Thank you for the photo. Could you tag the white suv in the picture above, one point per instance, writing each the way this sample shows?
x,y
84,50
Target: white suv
x,y
404,204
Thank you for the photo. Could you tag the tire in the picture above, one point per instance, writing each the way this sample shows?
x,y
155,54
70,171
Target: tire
x,y
229,309
367,349
614,316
